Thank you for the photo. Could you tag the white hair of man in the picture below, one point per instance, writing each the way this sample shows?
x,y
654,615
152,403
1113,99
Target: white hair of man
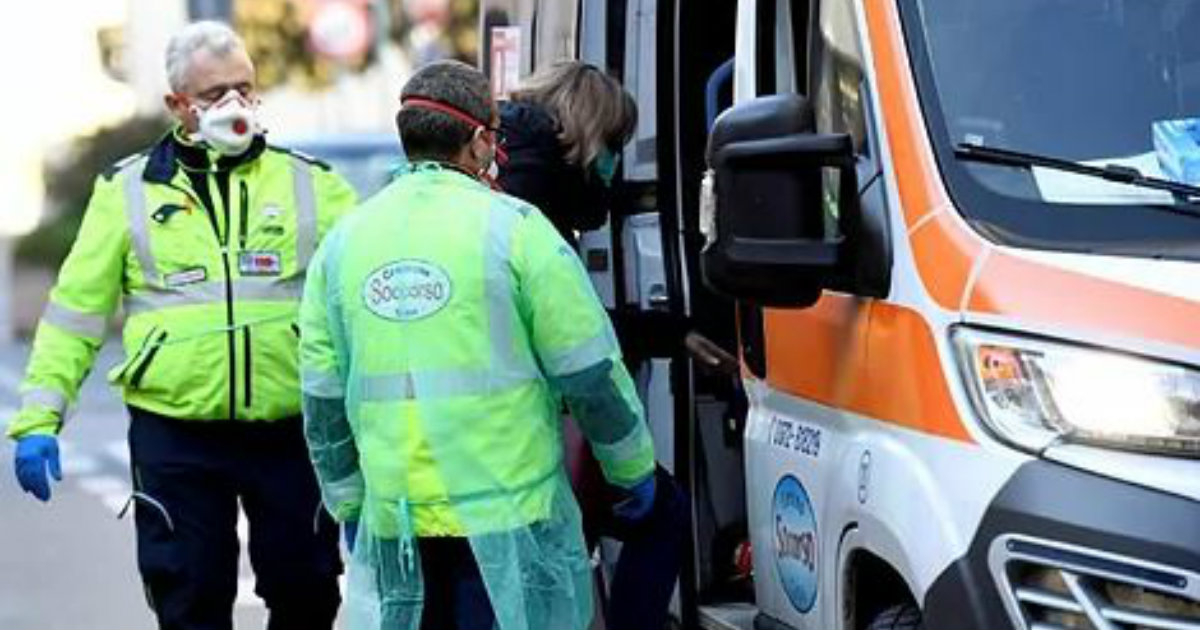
x,y
215,38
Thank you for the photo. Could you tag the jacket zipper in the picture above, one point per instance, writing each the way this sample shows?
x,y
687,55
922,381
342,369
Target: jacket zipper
x,y
135,381
244,217
246,339
231,334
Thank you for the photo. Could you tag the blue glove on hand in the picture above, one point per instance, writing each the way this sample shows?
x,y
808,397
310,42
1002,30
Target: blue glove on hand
x,y
639,502
350,534
34,454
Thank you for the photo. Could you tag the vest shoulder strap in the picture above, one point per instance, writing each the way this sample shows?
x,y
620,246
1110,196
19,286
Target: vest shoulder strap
x,y
123,164
300,155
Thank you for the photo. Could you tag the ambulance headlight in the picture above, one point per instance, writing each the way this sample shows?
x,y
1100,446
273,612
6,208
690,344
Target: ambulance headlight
x,y
1033,393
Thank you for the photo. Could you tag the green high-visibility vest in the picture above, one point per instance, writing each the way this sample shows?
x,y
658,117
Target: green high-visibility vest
x,y
210,302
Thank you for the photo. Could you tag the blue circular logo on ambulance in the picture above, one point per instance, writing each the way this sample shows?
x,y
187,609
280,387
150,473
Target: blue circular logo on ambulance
x,y
407,290
795,537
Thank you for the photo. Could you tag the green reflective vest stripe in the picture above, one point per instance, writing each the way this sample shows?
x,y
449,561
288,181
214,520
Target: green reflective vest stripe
x,y
210,301
250,289
135,209
326,384
306,212
75,322
44,397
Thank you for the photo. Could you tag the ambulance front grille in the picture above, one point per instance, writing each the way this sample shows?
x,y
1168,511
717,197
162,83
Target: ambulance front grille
x,y
1051,586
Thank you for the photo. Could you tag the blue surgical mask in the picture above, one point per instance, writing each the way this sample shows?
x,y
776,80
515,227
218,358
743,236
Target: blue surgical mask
x,y
605,166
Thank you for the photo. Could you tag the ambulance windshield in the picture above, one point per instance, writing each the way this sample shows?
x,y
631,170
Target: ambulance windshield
x,y
1106,83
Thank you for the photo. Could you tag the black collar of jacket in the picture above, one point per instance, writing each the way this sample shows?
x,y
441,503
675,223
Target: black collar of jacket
x,y
523,123
166,156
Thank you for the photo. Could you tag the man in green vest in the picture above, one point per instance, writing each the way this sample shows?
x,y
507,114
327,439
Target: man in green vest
x,y
442,326
204,240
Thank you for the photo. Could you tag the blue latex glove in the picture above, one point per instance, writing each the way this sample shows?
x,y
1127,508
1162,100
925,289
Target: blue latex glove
x,y
350,534
639,501
34,454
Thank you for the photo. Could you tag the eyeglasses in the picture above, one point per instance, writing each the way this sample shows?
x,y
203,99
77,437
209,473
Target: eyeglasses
x,y
498,136
214,93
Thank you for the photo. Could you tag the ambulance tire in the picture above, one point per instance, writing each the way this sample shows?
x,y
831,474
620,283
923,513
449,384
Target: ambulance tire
x,y
902,617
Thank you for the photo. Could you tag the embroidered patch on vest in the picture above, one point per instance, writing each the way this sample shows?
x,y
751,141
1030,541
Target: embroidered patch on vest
x,y
407,290
166,211
260,263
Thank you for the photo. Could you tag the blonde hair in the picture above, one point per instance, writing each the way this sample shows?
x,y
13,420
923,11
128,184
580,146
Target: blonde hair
x,y
593,111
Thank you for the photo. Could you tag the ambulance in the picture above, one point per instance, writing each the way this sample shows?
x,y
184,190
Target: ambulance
x,y
914,290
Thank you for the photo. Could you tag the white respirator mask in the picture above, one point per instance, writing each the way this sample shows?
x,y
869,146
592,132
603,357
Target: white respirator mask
x,y
492,172
228,125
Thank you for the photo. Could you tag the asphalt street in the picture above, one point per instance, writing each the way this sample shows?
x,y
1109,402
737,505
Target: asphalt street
x,y
69,564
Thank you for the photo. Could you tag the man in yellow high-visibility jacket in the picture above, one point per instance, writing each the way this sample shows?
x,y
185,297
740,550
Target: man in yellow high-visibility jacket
x,y
441,326
204,240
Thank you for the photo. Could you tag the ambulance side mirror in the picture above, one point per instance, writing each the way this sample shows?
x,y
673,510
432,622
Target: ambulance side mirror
x,y
771,190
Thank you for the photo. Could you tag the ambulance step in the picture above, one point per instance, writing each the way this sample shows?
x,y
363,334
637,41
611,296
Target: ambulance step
x,y
737,616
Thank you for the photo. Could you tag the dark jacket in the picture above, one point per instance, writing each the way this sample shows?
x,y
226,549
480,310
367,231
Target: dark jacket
x,y
537,171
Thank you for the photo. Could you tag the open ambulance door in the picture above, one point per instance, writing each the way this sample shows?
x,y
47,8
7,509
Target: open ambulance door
x,y
679,338
696,48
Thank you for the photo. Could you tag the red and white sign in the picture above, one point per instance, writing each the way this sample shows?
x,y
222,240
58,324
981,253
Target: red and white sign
x,y
340,29
432,11
506,60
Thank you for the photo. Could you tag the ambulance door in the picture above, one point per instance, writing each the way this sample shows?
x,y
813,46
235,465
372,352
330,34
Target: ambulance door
x,y
808,365
677,333
696,47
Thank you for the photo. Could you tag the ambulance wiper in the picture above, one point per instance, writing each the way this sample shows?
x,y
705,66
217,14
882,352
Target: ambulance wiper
x,y
1112,172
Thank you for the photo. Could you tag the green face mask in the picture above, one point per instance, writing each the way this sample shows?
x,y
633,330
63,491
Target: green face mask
x,y
605,166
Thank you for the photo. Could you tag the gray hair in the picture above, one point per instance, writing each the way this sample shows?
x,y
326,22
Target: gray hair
x,y
433,135
593,111
216,38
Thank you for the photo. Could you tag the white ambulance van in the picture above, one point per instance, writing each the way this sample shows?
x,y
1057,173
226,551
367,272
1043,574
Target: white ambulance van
x,y
953,246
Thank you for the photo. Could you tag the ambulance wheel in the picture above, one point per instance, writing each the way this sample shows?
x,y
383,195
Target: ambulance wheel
x,y
902,617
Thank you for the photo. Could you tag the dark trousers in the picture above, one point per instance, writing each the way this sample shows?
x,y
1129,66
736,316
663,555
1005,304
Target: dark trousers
x,y
455,595
188,479
639,597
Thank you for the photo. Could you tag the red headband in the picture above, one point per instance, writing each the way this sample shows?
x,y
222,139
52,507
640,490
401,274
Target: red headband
x,y
438,106
460,115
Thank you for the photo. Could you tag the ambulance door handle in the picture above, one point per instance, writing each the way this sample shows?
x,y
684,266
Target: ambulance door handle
x,y
658,298
710,355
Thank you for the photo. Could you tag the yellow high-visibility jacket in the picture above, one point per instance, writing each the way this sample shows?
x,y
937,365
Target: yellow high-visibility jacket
x,y
210,298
